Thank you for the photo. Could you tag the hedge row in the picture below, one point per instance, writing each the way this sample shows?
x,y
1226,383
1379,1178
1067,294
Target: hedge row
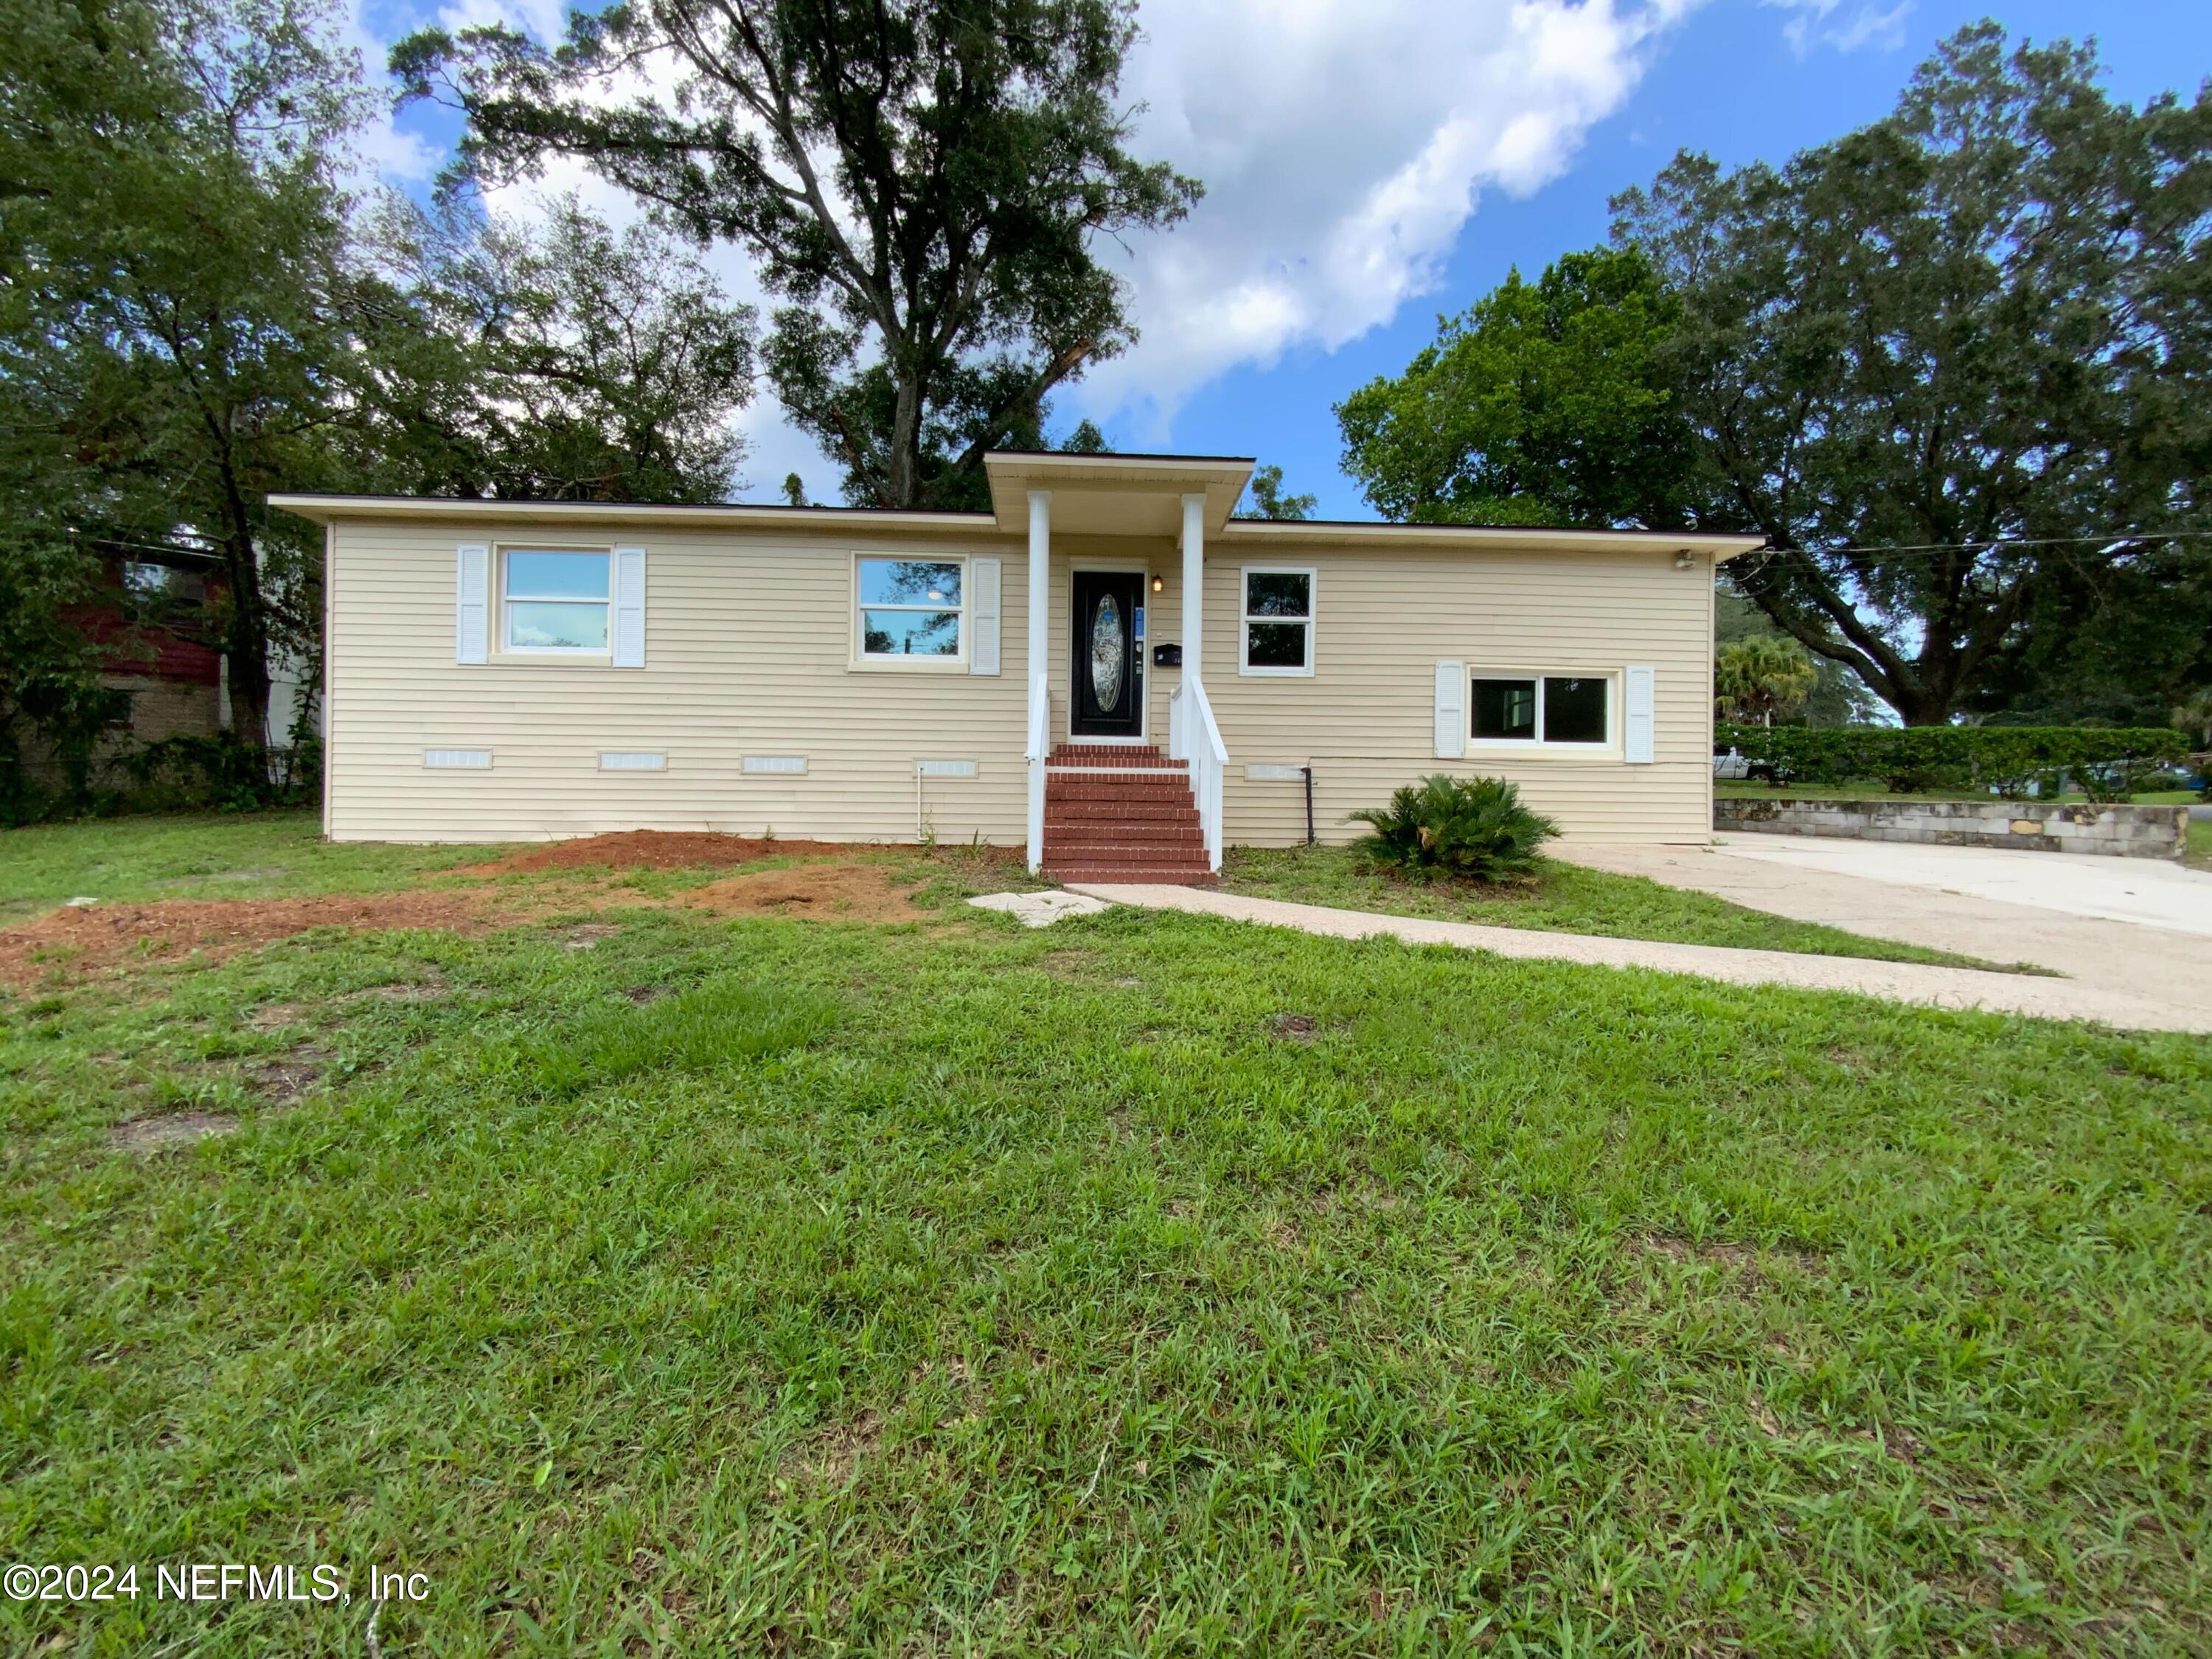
x,y
2104,764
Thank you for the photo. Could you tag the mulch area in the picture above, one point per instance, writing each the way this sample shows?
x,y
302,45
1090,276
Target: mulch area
x,y
821,892
71,944
79,941
667,849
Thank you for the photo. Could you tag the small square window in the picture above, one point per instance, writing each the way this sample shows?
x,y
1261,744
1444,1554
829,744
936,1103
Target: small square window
x,y
553,601
1277,622
911,610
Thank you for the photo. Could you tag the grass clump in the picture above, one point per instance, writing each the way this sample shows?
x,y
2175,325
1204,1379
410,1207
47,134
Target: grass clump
x,y
712,1025
1456,830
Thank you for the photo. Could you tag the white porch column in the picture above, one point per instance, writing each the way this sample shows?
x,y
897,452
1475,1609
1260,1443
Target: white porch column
x,y
1193,585
1040,654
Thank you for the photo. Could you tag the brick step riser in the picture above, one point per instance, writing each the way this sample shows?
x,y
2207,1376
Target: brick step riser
x,y
1058,843
1142,792
1097,853
1115,852
1115,806
1133,878
1107,811
1134,760
1131,835
1116,780
1113,813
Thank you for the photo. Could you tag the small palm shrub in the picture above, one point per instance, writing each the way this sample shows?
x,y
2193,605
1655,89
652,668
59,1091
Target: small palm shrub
x,y
1454,829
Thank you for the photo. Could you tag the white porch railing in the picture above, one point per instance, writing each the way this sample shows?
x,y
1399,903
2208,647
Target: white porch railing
x,y
1040,746
1193,736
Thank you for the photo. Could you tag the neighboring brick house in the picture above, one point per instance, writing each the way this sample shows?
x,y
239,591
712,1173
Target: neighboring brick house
x,y
151,627
149,624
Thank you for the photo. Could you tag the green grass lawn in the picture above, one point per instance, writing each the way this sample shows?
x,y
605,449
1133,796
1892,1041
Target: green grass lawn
x,y
1150,1285
1567,898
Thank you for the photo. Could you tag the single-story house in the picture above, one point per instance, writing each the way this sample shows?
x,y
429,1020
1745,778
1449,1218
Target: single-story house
x,y
1106,668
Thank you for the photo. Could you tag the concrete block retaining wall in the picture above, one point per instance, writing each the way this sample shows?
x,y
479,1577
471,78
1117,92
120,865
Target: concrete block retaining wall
x,y
2145,832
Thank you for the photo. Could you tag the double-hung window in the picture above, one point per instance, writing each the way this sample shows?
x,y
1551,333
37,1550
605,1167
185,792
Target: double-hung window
x,y
1278,622
553,603
911,610
1567,710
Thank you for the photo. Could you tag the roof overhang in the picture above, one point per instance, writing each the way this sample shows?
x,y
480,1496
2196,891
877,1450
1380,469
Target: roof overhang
x,y
441,509
1114,495
1288,533
1091,494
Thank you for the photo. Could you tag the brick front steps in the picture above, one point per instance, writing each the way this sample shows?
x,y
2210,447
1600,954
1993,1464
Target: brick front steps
x,y
1124,814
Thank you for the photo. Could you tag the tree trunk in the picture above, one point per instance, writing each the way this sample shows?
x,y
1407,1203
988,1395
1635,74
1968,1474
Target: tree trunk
x,y
247,638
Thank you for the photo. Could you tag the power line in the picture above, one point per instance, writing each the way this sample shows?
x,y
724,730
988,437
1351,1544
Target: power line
x,y
1990,543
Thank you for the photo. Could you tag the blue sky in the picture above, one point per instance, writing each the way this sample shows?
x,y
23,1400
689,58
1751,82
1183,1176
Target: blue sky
x,y
1371,163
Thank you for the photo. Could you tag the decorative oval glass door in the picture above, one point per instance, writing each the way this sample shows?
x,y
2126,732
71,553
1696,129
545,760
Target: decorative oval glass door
x,y
1105,660
1109,655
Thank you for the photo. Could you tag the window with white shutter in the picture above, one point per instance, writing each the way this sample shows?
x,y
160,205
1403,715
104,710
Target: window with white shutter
x,y
629,608
1640,716
983,585
1451,709
472,604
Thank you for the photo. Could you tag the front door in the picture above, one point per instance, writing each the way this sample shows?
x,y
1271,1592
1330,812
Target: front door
x,y
1109,658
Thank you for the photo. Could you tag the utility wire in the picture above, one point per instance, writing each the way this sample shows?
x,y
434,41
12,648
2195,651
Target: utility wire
x,y
1992,543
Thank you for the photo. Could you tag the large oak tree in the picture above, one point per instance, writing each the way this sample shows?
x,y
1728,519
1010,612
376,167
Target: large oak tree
x,y
922,182
1943,363
1956,366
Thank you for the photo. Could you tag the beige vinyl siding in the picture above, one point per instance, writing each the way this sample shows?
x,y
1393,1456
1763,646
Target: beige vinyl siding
x,y
1365,719
748,651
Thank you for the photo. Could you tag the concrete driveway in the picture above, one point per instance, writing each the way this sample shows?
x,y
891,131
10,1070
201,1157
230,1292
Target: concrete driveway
x,y
2138,927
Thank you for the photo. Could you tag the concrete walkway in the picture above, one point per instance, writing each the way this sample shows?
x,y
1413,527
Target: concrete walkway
x,y
2147,892
1943,987
2139,928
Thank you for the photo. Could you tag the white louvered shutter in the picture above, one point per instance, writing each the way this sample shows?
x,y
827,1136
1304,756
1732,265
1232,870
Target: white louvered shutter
x,y
1639,682
1451,709
983,616
472,604
629,608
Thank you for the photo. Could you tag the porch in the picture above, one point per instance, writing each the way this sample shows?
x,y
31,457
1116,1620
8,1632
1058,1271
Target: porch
x,y
1104,802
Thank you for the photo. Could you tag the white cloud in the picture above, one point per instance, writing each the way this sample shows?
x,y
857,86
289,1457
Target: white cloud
x,y
1343,145
1864,24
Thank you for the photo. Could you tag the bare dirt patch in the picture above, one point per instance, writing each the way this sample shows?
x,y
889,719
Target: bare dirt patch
x,y
271,1016
838,892
75,943
1720,1252
665,849
1295,1028
433,989
1070,962
282,1081
586,936
148,1135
